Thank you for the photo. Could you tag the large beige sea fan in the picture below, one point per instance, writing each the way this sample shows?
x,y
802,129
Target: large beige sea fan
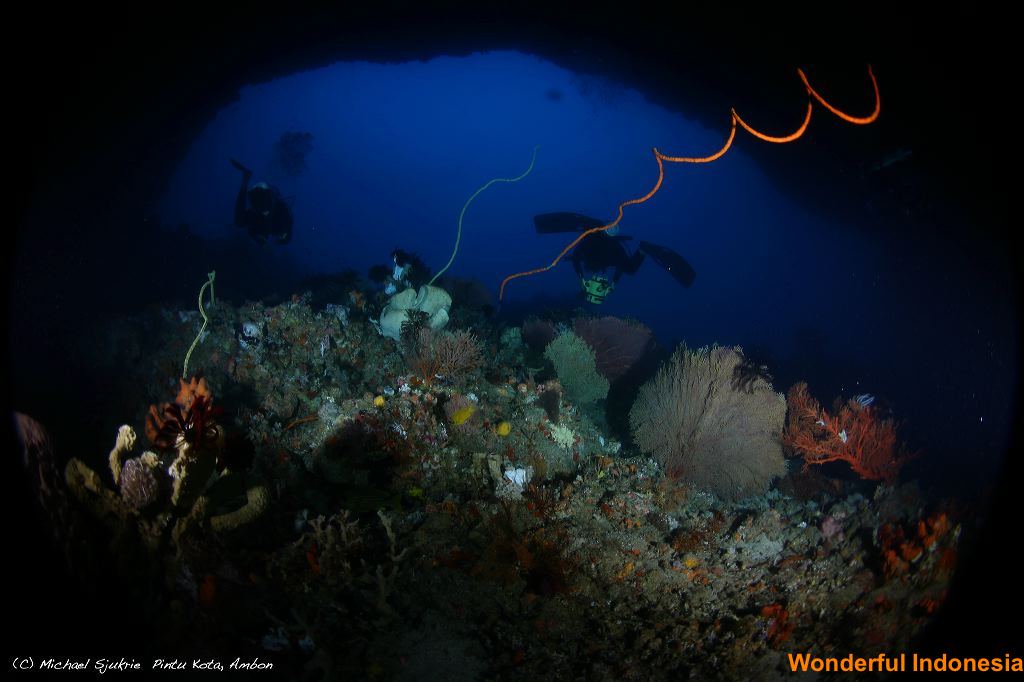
x,y
704,431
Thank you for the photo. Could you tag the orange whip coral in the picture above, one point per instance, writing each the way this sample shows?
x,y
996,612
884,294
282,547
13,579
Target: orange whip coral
x,y
736,120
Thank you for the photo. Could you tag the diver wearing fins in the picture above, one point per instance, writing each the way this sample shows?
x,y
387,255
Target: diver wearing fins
x,y
603,251
261,210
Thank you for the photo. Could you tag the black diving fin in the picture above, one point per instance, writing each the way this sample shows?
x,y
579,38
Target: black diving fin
x,y
552,223
674,264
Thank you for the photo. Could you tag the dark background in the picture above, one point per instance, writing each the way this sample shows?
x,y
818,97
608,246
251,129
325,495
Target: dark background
x,y
97,126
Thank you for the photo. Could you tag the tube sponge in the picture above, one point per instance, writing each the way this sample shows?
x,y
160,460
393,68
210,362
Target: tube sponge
x,y
122,447
257,500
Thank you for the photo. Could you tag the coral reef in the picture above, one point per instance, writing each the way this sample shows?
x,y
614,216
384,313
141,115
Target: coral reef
x,y
705,432
353,511
450,355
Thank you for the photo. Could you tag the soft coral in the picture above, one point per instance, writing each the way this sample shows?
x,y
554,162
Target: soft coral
x,y
854,434
191,418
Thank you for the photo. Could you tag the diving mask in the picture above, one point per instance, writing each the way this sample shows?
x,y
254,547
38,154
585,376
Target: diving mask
x,y
596,289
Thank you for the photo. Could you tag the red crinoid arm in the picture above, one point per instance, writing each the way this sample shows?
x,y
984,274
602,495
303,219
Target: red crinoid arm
x,y
172,426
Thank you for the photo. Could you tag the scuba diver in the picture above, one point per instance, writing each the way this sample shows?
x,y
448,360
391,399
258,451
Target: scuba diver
x,y
262,210
603,251
408,270
399,279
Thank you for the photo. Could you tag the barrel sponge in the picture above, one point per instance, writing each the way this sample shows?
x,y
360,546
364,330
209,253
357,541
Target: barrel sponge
x,y
434,301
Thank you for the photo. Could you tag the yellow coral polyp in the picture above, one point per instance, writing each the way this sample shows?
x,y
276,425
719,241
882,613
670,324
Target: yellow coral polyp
x,y
462,415
378,401
503,429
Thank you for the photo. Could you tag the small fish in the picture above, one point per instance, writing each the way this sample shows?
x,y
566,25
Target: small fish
x,y
864,399
894,157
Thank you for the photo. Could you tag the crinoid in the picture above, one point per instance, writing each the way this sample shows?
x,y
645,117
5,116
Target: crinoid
x,y
195,425
746,374
191,419
415,321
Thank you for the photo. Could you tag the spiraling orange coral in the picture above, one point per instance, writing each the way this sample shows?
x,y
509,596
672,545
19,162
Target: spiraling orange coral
x,y
812,96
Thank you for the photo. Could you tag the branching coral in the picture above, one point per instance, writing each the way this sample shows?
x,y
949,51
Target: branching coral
x,y
853,434
706,433
451,355
618,344
747,373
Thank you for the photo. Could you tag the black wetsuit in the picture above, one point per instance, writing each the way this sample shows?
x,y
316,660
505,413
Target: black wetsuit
x,y
599,251
263,212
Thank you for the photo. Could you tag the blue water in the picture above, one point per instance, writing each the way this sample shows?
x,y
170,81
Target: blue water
x,y
848,305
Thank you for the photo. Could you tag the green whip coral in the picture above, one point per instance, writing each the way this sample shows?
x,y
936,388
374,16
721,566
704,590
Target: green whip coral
x,y
202,311
462,213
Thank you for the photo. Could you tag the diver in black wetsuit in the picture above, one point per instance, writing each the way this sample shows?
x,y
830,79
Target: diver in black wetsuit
x,y
262,210
595,256
603,251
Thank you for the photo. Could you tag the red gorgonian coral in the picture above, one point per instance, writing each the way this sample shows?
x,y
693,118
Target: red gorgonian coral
x,y
450,355
854,434
617,344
